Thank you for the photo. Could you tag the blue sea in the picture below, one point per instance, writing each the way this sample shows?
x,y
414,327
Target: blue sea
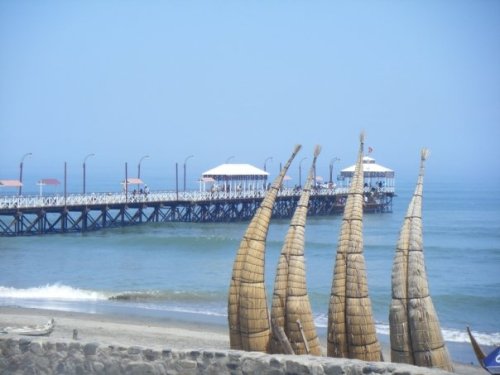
x,y
183,270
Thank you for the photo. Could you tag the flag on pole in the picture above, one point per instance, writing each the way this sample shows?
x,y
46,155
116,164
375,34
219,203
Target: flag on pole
x,y
370,150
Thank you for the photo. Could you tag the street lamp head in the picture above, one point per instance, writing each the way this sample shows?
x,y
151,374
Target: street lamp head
x,y
21,171
25,155
184,165
333,160
139,165
87,156
265,161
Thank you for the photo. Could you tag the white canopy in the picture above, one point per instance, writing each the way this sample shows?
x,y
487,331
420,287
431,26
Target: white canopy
x,y
236,171
370,168
231,177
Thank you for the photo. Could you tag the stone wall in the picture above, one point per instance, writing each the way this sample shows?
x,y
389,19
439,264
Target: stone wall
x,y
38,356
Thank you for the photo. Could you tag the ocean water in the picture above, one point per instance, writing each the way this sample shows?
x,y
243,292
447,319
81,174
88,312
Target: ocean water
x,y
183,270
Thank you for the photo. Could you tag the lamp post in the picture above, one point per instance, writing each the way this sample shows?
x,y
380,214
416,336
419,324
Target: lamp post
x,y
185,161
139,165
126,182
229,158
84,170
331,168
265,162
65,182
21,171
177,180
300,171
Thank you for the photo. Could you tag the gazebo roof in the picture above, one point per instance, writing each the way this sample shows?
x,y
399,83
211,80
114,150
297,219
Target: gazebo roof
x,y
370,168
10,183
48,181
133,181
235,171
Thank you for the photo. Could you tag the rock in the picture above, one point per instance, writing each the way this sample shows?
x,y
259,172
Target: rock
x,y
75,346
134,350
48,346
220,354
195,354
90,348
61,368
140,368
294,367
150,354
35,348
99,368
24,345
166,353
333,369
61,346
373,369
208,355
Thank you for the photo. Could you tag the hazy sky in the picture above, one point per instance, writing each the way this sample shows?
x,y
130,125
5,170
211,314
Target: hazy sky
x,y
249,79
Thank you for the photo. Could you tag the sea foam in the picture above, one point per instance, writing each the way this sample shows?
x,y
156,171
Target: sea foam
x,y
56,291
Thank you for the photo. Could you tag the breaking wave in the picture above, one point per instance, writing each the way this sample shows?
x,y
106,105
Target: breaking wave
x,y
52,292
67,293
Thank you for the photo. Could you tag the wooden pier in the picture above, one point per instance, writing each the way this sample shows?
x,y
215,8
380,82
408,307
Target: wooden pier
x,y
39,215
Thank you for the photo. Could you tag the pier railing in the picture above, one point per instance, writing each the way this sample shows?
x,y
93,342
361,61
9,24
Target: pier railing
x,y
91,199
36,201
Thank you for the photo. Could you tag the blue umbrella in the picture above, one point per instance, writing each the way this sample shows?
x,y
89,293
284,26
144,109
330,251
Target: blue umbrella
x,y
492,362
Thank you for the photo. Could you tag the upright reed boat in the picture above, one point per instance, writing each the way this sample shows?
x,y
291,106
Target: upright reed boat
x,y
248,314
291,309
415,332
351,327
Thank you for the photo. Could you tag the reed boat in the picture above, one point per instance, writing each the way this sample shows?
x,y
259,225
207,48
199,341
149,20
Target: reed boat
x,y
351,327
293,329
415,332
248,314
38,330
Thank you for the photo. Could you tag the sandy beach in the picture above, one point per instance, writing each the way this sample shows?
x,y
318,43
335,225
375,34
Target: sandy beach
x,y
123,331
119,331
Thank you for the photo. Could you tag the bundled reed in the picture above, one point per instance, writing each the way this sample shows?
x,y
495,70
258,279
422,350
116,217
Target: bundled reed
x,y
351,328
248,314
415,332
291,309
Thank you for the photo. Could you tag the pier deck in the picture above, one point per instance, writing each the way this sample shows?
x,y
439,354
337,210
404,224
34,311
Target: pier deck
x,y
38,215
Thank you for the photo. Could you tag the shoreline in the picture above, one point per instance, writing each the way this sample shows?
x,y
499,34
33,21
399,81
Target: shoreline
x,y
148,332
